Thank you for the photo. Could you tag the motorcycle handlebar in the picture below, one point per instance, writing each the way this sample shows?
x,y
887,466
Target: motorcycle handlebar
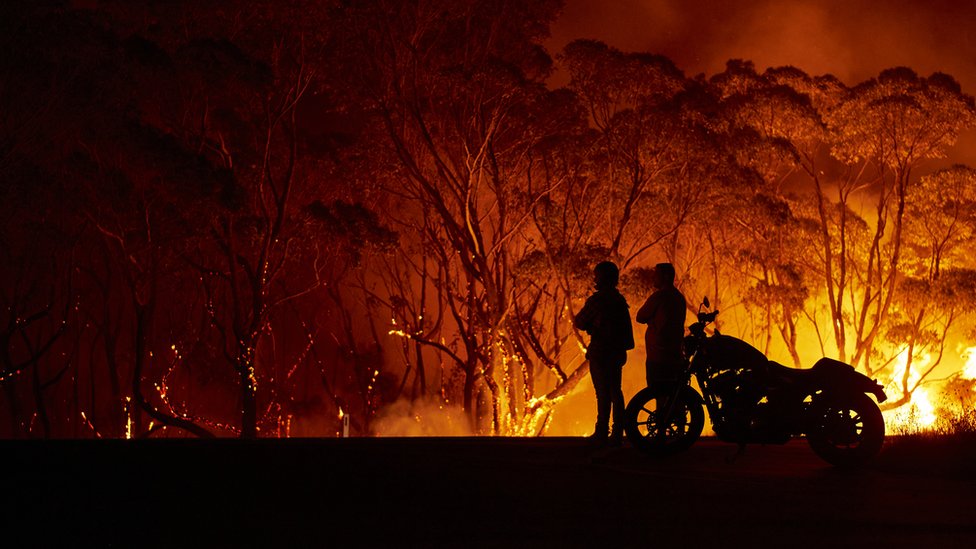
x,y
707,317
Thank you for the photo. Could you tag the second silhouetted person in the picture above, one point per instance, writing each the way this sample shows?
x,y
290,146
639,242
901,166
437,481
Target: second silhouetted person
x,y
664,314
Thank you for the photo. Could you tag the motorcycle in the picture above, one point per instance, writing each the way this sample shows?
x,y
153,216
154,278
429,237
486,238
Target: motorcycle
x,y
751,399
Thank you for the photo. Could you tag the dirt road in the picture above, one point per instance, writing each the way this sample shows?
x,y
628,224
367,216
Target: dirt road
x,y
552,492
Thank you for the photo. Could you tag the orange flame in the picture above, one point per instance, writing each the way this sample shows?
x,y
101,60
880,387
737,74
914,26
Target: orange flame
x,y
919,413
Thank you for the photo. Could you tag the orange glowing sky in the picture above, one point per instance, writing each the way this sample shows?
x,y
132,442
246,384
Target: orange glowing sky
x,y
851,39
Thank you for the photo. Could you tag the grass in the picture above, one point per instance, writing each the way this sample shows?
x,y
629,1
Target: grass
x,y
955,414
950,442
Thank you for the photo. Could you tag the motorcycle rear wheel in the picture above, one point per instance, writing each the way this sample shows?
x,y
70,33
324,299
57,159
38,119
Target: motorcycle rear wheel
x,y
648,434
846,431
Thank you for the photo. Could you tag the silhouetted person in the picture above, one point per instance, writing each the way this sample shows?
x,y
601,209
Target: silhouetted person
x,y
664,314
606,317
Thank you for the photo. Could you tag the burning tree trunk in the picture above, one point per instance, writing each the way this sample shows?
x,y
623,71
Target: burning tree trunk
x,y
457,120
143,354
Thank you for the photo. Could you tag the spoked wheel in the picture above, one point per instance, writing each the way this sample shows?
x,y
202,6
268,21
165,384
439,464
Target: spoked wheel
x,y
664,424
846,431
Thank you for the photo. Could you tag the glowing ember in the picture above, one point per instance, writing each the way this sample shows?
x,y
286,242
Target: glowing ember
x,y
345,423
90,426
128,418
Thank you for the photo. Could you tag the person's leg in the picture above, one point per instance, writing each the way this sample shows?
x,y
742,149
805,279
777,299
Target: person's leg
x,y
598,373
669,403
655,374
659,378
617,402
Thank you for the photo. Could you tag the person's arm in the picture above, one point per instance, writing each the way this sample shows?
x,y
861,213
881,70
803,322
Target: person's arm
x,y
626,328
584,318
646,312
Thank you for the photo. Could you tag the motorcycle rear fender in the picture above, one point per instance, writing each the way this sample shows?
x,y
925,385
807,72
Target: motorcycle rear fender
x,y
836,377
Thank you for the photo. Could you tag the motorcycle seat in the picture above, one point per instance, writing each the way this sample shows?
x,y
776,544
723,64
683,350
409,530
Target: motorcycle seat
x,y
789,375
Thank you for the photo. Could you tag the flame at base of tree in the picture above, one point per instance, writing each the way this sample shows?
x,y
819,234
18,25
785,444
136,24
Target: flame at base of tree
x,y
918,415
930,409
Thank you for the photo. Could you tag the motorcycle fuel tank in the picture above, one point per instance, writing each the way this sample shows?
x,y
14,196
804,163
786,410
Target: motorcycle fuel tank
x,y
727,352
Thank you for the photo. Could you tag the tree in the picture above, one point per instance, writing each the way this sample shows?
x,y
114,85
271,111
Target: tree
x,y
937,283
178,137
459,90
892,123
777,130
71,128
36,296
647,142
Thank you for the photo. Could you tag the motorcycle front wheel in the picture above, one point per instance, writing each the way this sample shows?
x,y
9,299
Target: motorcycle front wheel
x,y
664,424
846,431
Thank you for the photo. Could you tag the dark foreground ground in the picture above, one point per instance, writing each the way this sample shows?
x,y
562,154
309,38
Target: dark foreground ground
x,y
552,492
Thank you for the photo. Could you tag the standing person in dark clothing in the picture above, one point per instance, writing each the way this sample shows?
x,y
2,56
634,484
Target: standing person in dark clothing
x,y
664,314
606,317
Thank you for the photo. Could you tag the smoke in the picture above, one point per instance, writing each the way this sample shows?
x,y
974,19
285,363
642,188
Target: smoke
x,y
421,418
851,39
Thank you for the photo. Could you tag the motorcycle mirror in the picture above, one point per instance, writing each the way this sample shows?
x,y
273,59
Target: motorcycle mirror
x,y
705,302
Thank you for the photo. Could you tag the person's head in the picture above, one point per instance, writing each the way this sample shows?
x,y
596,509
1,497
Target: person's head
x,y
663,275
605,275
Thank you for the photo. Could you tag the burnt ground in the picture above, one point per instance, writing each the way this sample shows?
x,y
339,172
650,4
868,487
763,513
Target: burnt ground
x,y
463,492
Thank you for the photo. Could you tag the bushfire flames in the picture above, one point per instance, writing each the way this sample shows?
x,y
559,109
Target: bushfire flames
x,y
922,412
919,413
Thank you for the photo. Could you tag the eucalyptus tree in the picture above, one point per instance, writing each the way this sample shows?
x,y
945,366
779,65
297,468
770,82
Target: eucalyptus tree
x,y
37,244
195,148
778,133
458,89
937,285
254,95
652,156
110,179
889,126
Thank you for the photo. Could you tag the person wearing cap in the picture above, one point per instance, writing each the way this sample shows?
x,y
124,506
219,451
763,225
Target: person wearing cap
x,y
606,318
